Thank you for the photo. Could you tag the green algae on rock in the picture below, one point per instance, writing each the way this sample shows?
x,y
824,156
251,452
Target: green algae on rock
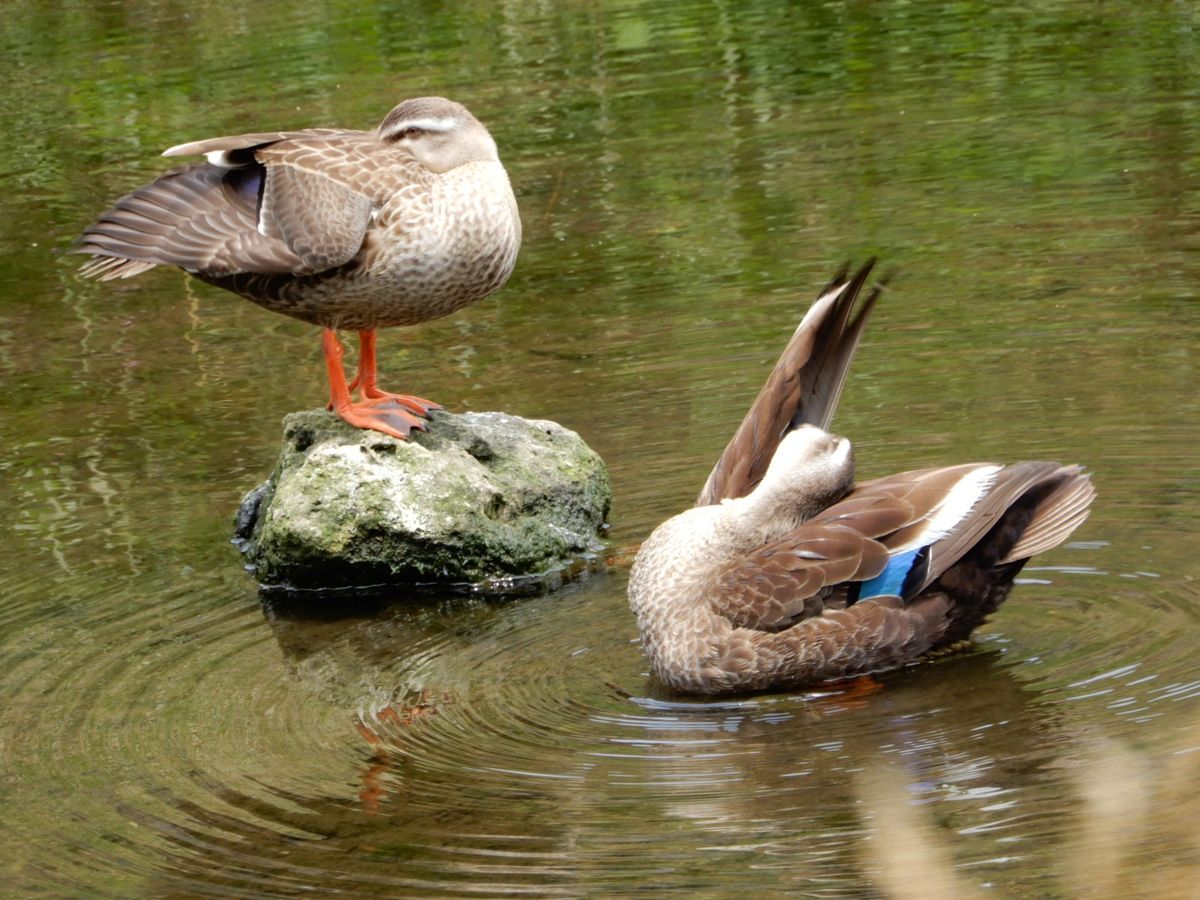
x,y
480,499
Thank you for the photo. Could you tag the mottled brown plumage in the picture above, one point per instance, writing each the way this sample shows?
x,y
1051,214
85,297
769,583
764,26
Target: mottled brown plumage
x,y
786,572
344,229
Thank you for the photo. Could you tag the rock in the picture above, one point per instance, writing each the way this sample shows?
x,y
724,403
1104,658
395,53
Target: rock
x,y
480,499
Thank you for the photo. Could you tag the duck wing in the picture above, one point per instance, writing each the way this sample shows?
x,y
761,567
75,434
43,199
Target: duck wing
x,y
803,388
293,203
237,149
202,218
961,529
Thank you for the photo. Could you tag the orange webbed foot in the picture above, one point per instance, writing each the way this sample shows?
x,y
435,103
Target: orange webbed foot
x,y
393,414
846,694
417,405
385,415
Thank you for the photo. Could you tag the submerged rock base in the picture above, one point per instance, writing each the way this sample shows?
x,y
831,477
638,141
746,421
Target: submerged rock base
x,y
481,499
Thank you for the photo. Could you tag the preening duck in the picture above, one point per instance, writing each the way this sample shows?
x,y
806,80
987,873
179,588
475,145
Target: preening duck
x,y
786,572
344,229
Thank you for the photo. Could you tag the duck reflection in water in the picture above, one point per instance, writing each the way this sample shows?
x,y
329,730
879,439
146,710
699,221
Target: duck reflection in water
x,y
1130,813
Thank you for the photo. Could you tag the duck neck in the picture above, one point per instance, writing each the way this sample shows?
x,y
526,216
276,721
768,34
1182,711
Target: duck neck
x,y
768,514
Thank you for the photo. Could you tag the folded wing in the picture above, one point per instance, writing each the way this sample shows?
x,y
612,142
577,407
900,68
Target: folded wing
x,y
962,529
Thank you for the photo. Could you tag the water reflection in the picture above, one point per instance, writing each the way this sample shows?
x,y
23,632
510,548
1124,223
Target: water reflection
x,y
1128,804
951,769
688,174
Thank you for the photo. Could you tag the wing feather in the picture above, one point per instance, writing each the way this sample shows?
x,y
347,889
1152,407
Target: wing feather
x,y
235,142
774,586
321,221
193,217
804,386
357,161
785,581
267,203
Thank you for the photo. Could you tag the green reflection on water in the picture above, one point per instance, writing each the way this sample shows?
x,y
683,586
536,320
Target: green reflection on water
x,y
688,174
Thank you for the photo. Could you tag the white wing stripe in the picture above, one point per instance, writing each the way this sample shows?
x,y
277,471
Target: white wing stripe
x,y
954,507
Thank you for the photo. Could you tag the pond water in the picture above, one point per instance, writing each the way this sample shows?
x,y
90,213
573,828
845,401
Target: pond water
x,y
689,174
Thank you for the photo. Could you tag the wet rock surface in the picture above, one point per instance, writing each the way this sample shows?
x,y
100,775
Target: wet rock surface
x,y
481,499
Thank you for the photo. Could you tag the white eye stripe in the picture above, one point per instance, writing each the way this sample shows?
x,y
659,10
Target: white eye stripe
x,y
448,123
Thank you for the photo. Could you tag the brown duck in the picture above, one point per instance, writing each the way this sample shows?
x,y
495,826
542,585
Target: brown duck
x,y
787,572
344,229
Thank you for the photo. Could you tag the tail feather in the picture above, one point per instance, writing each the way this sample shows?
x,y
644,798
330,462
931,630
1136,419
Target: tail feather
x,y
1013,486
1048,507
1056,516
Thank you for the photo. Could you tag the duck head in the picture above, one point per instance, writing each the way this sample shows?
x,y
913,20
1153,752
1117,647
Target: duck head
x,y
810,470
441,134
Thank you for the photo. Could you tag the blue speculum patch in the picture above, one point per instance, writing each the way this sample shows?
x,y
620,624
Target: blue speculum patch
x,y
899,578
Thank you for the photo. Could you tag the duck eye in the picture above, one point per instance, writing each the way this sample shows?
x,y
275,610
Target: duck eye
x,y
411,131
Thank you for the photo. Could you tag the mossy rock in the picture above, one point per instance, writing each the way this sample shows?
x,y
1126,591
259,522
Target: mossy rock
x,y
480,499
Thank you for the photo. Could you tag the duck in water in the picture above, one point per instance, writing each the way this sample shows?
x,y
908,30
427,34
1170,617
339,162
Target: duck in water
x,y
787,572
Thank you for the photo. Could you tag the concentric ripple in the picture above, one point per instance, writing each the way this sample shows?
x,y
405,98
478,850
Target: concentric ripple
x,y
469,748
688,173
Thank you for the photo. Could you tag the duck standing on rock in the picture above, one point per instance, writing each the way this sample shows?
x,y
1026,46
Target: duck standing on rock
x,y
344,229
786,572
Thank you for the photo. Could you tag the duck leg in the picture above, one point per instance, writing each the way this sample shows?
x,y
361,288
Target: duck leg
x,y
365,380
382,412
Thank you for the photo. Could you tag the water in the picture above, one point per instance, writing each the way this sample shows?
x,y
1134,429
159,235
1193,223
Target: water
x,y
689,174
